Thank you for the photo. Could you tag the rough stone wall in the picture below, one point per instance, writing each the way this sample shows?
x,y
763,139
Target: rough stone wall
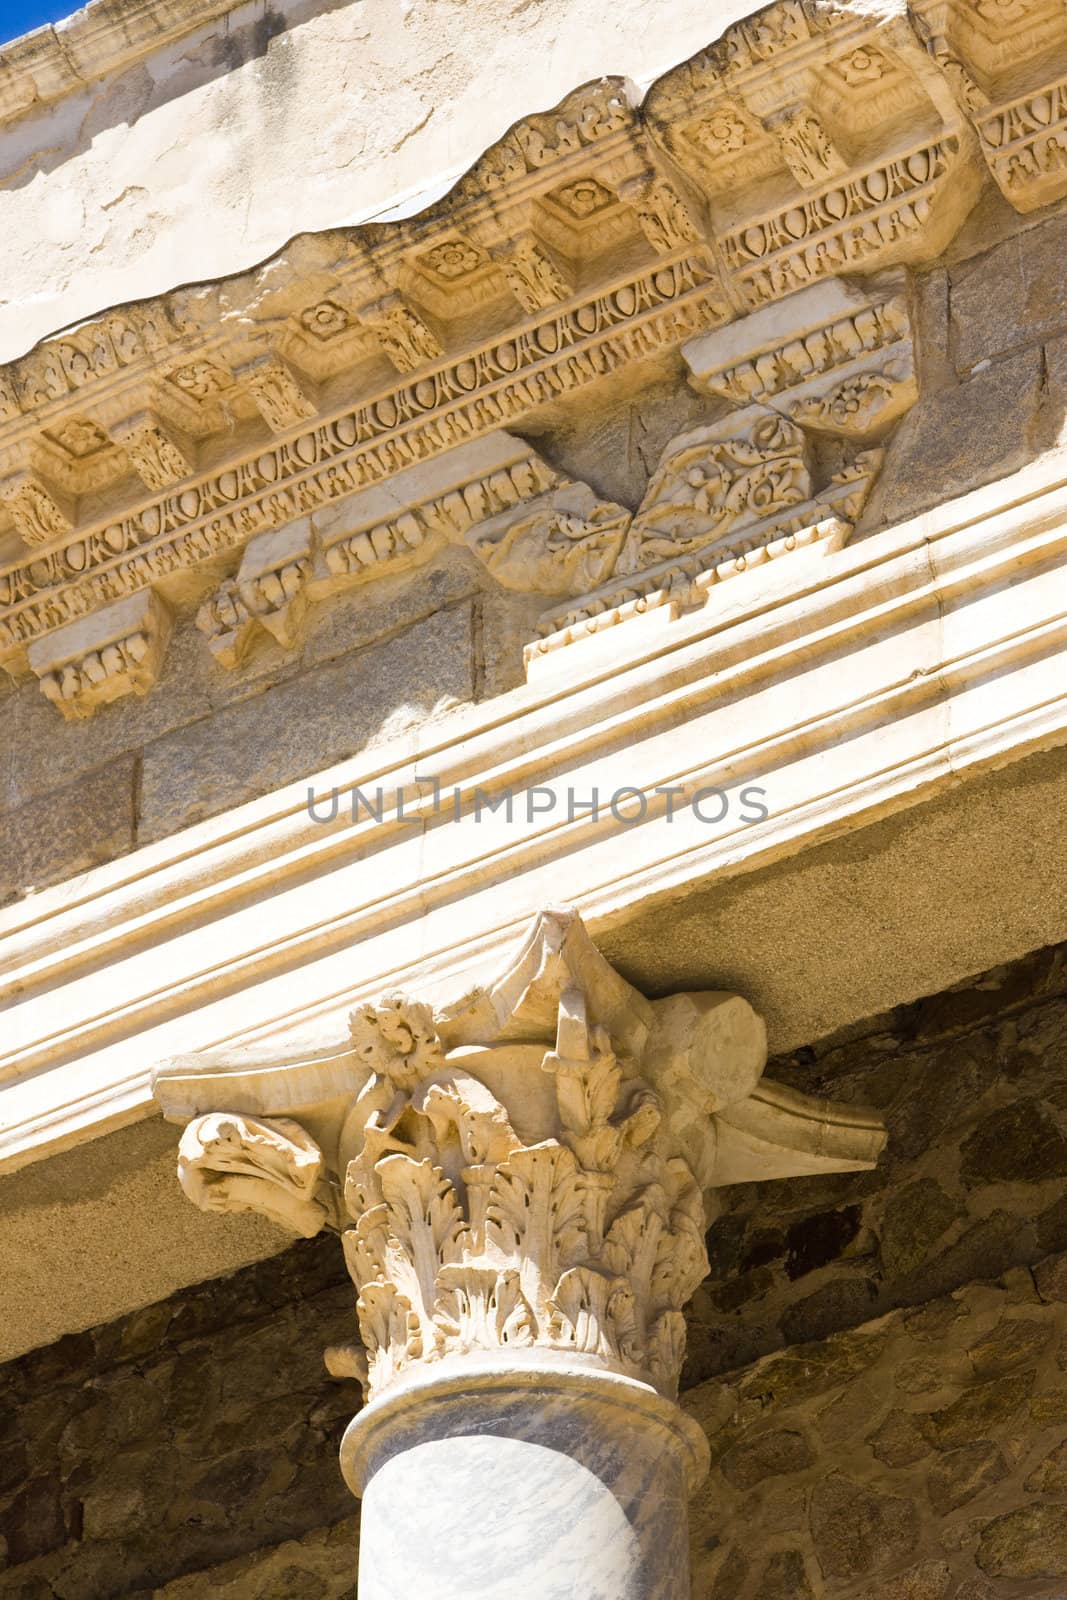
x,y
880,1360
920,1457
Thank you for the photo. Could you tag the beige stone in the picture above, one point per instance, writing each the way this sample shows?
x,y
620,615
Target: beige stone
x,y
321,716
61,835
112,653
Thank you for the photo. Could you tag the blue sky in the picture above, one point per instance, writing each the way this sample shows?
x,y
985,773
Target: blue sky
x,y
22,16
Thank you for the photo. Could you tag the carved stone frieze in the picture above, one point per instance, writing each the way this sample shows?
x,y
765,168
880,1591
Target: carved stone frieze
x,y
502,382
1024,140
269,593
387,529
40,512
116,652
713,480
559,543
683,580
1006,61
837,357
283,399
154,450
526,1173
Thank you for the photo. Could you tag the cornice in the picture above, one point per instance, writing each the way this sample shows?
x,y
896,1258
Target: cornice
x,y
809,143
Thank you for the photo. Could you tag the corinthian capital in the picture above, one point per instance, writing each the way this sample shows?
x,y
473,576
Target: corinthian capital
x,y
523,1176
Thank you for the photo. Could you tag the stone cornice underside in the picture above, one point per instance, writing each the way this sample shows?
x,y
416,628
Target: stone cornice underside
x,y
147,449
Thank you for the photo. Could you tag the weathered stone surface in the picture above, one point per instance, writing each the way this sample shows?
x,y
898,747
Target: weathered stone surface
x,y
855,1529
785,1578
1013,1342
1019,1143
1011,295
304,725
1051,1277
64,833
766,1456
1028,1543
914,1220
961,1474
839,1304
960,438
1050,1475
899,1442
1050,1407
319,1566
730,1576
810,1368
979,1408
201,1431
930,1581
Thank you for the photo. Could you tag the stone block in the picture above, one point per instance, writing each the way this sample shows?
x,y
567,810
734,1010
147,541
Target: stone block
x,y
898,1442
1028,1543
930,1581
1011,1344
766,1456
1019,1143
307,723
915,1218
1050,1475
856,1529
979,1410
960,438
1050,1276
1013,295
959,1475
784,1578
59,835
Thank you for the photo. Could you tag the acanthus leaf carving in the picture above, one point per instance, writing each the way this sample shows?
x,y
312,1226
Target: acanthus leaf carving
x,y
526,1171
40,512
535,276
404,335
155,451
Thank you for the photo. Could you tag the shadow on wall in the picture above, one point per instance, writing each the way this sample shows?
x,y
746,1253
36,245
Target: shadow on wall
x,y
992,336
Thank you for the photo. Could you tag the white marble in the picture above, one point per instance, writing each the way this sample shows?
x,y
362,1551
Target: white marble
x,y
540,1484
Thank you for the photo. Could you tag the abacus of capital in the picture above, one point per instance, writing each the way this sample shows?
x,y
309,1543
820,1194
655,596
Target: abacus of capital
x,y
521,1183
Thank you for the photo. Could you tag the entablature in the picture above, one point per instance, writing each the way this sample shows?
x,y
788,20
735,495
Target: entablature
x,y
811,146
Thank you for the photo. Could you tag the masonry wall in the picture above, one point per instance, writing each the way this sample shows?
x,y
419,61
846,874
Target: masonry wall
x,y
879,1359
